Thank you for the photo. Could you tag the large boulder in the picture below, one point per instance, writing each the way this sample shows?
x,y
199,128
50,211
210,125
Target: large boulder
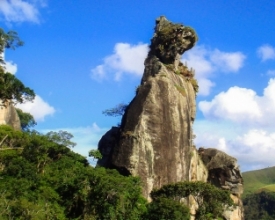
x,y
224,173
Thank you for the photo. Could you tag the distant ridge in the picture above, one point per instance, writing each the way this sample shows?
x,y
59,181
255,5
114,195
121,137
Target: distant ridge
x,y
258,180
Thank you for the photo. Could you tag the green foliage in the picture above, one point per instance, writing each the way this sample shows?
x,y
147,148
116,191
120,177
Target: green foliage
x,y
166,209
11,88
26,120
61,137
115,196
10,138
8,40
258,179
195,85
211,200
260,206
171,39
116,111
46,180
95,154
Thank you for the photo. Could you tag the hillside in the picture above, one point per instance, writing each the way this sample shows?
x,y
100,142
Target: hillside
x,y
258,180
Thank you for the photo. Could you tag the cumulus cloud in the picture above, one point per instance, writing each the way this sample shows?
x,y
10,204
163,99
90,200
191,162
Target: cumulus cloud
x,y
38,108
266,52
242,105
126,59
254,148
21,10
206,62
227,62
243,123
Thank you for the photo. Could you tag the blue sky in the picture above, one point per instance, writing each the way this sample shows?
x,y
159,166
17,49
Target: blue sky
x,y
82,57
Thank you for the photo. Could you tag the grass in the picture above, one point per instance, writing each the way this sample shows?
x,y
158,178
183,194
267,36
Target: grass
x,y
258,180
269,188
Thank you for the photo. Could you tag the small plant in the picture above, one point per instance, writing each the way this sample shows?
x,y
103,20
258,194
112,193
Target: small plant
x,y
177,72
195,85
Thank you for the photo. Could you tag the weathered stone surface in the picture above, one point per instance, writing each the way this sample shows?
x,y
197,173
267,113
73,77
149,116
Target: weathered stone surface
x,y
9,116
224,173
155,139
106,145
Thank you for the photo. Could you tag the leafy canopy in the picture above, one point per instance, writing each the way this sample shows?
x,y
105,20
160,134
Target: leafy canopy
x,y
11,88
26,120
211,200
41,178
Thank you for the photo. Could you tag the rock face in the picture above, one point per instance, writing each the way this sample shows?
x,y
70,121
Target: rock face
x,y
155,139
9,116
224,173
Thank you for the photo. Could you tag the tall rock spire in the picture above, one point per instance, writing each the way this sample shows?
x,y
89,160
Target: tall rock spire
x,y
154,141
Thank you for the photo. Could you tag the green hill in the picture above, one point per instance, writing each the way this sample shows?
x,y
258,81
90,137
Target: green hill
x,y
258,180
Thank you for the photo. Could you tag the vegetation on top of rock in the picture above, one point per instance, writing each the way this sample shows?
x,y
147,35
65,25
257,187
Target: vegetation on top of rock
x,y
171,39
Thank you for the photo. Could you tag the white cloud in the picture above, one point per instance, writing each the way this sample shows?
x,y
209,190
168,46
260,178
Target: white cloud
x,y
243,123
253,148
237,104
206,62
266,52
227,62
38,108
21,10
242,105
126,58
11,67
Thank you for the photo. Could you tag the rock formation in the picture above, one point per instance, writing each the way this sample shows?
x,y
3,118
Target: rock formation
x,y
9,116
155,139
224,173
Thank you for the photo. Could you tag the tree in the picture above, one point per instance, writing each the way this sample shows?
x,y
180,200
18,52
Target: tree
x,y
26,120
62,138
95,154
9,40
116,111
211,200
168,209
260,205
11,88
